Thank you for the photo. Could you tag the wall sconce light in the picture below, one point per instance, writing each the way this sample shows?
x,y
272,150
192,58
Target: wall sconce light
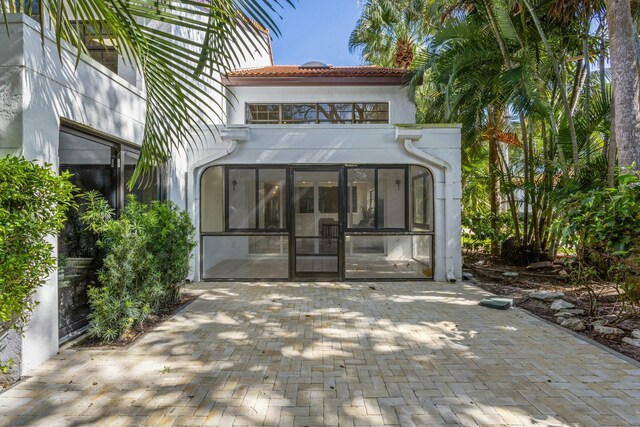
x,y
234,183
398,183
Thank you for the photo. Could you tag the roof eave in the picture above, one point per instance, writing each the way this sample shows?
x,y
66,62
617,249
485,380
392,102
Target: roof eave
x,y
396,80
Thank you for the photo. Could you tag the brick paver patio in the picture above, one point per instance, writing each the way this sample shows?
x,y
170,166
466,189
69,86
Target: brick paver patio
x,y
336,354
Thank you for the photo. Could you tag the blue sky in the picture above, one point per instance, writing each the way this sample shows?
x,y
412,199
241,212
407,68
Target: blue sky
x,y
317,30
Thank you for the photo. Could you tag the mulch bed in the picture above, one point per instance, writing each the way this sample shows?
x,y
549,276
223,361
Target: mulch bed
x,y
149,324
487,274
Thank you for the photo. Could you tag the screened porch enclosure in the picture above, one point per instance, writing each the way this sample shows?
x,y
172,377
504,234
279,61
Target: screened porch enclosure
x,y
330,222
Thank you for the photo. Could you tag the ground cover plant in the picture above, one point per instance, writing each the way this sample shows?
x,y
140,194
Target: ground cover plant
x,y
33,205
146,253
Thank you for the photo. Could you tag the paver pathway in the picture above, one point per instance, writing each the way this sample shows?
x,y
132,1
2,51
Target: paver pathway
x,y
336,354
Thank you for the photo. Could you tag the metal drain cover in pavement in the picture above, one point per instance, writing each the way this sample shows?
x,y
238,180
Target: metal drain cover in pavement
x,y
497,303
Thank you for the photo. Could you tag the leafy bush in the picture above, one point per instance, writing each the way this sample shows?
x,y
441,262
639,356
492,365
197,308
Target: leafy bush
x,y
146,259
33,204
604,227
477,230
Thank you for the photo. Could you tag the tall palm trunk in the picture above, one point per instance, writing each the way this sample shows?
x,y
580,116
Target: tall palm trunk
x,y
494,180
626,82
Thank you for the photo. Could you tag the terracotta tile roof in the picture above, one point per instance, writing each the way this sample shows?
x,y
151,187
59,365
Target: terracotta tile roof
x,y
293,75
331,71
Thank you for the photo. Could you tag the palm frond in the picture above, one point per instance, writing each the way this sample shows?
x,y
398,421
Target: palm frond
x,y
182,48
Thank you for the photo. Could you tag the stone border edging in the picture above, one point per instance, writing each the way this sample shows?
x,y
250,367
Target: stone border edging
x,y
584,338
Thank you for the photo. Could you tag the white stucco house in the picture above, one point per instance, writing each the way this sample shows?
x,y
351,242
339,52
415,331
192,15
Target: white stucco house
x,y
319,172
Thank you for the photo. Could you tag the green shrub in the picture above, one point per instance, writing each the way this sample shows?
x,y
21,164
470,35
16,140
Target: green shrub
x,y
146,259
604,227
477,230
33,204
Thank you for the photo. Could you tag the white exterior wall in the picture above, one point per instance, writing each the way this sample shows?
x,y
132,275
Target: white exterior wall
x,y
401,110
38,89
350,144
247,56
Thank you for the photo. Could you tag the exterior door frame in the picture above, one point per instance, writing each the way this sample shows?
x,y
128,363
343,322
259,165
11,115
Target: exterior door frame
x,y
320,276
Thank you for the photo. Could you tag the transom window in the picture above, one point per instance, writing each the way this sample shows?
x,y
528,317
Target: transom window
x,y
341,113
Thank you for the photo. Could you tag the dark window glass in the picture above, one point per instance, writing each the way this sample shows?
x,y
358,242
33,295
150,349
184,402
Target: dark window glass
x,y
421,199
263,113
340,113
361,209
271,196
99,43
298,113
28,7
371,113
335,113
149,185
328,199
92,165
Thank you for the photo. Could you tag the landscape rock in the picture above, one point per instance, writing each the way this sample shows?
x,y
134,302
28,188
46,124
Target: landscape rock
x,y
572,323
570,312
538,265
635,343
479,263
545,295
636,334
510,274
607,330
564,274
467,276
561,305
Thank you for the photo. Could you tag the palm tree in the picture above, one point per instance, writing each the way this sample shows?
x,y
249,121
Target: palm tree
x,y
626,81
492,59
390,32
181,74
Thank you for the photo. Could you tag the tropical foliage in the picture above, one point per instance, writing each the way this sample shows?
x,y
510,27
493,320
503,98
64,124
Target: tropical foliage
x,y
33,204
181,48
146,258
528,81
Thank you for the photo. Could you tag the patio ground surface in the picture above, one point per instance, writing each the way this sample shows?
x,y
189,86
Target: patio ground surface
x,y
335,354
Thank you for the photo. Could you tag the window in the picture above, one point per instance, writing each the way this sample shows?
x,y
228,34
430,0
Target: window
x,y
149,186
340,113
421,199
99,43
28,7
391,198
255,199
361,207
263,113
380,198
335,113
299,113
241,187
371,113
271,183
212,200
